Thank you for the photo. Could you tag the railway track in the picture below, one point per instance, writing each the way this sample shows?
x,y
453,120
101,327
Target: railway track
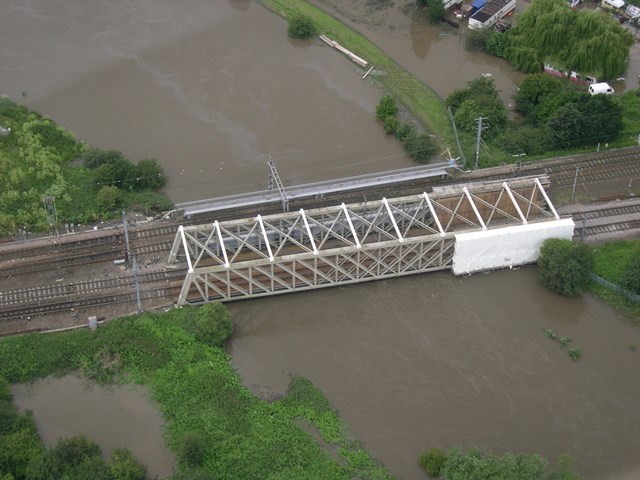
x,y
71,304
51,299
156,240
606,228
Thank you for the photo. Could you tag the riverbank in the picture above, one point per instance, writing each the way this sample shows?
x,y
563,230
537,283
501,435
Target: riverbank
x,y
300,435
422,102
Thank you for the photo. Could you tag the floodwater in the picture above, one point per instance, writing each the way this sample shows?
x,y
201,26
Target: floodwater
x,y
433,54
209,88
113,416
436,361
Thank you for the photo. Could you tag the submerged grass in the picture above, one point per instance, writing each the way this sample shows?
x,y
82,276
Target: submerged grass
x,y
200,396
420,100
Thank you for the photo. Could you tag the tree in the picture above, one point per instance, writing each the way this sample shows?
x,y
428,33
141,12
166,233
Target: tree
x,y
94,157
120,172
149,175
386,108
495,43
436,10
474,464
420,147
109,198
69,458
526,139
533,89
474,40
301,26
565,267
568,126
213,324
432,461
582,40
479,98
125,466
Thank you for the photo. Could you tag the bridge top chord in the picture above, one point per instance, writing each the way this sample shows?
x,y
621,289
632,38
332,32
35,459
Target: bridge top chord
x,y
362,225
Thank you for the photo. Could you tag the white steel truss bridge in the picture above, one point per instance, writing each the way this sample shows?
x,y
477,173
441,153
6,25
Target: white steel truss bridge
x,y
345,244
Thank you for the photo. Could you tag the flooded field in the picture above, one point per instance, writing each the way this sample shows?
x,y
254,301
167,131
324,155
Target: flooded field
x,y
113,416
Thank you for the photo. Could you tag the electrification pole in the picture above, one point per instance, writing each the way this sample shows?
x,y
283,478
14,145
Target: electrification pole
x,y
478,137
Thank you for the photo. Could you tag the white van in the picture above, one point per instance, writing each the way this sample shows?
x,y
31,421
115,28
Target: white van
x,y
596,88
612,4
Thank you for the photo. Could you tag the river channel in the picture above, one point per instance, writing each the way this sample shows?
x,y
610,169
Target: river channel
x,y
211,88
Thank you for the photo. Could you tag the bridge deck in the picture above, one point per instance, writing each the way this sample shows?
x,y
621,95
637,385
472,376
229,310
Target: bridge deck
x,y
329,246
317,189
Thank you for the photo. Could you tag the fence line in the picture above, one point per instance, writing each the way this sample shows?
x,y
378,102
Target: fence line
x,y
612,286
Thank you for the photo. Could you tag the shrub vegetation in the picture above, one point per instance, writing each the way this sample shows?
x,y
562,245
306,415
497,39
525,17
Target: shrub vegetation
x,y
582,40
39,158
475,464
301,26
201,397
565,267
432,461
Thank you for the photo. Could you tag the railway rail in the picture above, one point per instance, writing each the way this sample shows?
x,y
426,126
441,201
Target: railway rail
x,y
50,299
156,240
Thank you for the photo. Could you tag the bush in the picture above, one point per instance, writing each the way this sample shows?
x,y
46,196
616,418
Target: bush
x,y
120,172
213,324
149,175
125,466
391,124
525,139
495,43
565,267
436,10
192,451
94,157
109,198
575,353
474,40
301,26
386,108
405,130
432,461
420,147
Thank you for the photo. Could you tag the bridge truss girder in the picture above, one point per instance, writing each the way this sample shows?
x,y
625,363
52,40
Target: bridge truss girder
x,y
347,243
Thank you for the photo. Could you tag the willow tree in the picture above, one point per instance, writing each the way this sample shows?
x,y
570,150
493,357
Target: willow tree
x,y
586,41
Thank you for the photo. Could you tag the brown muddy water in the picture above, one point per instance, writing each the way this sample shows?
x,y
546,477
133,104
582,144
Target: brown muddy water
x,y
113,416
435,361
210,88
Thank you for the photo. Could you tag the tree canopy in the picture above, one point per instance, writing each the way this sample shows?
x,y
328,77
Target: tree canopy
x,y
38,159
585,41
479,98
565,267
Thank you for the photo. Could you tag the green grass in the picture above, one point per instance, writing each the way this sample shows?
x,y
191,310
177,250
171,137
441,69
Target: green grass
x,y
419,99
610,262
611,259
200,394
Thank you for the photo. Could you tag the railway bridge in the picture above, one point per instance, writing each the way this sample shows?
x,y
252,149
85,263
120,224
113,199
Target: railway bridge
x,y
464,228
